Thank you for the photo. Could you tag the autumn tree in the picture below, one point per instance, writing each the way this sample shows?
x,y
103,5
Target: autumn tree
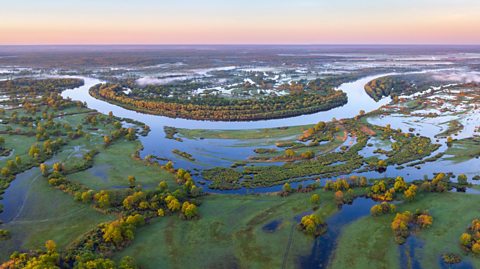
x,y
315,199
311,225
131,181
107,140
411,192
172,203
289,153
102,199
44,169
118,232
189,210
287,188
339,197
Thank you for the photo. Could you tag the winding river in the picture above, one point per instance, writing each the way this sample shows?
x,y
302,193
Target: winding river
x,y
219,152
223,152
357,100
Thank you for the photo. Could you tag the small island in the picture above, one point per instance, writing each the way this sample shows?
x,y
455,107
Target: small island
x,y
288,100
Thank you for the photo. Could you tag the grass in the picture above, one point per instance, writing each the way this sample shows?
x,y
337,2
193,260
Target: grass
x,y
114,164
463,150
368,242
243,134
20,144
48,214
229,234
454,127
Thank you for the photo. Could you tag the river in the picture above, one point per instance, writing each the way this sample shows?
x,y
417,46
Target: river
x,y
219,152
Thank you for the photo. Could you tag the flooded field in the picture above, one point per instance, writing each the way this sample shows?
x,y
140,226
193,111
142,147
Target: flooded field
x,y
97,136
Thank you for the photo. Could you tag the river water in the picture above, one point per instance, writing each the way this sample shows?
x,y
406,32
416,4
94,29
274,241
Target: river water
x,y
219,152
223,152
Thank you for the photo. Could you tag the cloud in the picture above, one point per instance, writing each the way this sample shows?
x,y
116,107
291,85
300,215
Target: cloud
x,y
459,76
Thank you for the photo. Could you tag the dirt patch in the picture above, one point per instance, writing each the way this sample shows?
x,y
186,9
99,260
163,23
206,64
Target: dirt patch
x,y
367,130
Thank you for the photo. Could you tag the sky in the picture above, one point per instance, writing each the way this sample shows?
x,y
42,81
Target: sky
x,y
239,22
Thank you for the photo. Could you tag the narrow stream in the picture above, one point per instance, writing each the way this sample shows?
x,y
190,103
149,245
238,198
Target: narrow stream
x,y
324,245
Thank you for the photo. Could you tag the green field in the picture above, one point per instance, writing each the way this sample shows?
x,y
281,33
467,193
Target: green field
x,y
369,242
463,150
229,234
47,213
267,133
114,164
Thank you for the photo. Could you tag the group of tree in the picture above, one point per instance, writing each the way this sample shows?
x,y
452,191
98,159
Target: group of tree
x,y
312,225
219,108
440,183
385,190
382,209
51,258
470,240
405,222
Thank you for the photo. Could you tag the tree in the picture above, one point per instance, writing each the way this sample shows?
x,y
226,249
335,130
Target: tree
x,y
163,186
86,196
102,198
57,167
289,153
339,197
118,232
50,246
381,165
34,151
424,220
308,154
310,224
381,209
287,188
449,141
400,225
462,180
18,160
315,199
5,172
134,200
400,184
160,212
107,140
130,134
131,180
11,165
99,263
411,192
476,247
320,126
189,210
172,203
127,262
363,181
44,169
465,239
135,220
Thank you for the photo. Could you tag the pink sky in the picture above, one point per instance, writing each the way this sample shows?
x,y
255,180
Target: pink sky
x,y
214,22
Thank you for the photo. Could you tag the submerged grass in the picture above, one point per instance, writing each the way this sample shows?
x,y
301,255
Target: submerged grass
x,y
113,166
266,133
45,214
229,234
369,242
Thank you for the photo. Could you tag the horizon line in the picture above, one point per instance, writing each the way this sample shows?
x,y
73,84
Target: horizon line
x,y
242,44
